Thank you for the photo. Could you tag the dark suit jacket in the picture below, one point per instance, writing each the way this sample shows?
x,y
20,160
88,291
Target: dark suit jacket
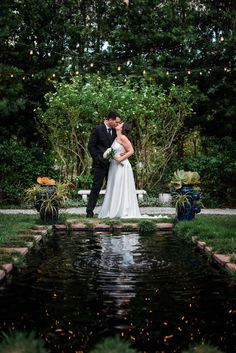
x,y
98,143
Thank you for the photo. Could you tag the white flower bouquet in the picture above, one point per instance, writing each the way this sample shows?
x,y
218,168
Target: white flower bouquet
x,y
109,154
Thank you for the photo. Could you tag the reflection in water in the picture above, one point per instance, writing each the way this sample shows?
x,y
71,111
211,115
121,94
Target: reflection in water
x,y
119,254
153,290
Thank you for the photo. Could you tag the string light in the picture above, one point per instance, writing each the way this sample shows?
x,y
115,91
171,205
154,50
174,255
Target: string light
x,y
175,73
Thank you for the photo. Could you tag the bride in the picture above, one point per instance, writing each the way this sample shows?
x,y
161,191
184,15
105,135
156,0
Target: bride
x,y
120,198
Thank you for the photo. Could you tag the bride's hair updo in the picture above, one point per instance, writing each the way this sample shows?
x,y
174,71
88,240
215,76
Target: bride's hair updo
x,y
126,130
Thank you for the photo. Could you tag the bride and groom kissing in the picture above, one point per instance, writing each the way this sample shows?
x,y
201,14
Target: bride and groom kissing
x,y
120,199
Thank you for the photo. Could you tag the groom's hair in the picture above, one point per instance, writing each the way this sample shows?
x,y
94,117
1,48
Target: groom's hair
x,y
126,130
113,115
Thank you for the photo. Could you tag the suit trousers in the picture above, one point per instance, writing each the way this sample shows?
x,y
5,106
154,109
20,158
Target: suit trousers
x,y
100,174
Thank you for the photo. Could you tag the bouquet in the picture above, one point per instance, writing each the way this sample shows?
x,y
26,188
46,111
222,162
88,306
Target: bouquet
x,y
109,154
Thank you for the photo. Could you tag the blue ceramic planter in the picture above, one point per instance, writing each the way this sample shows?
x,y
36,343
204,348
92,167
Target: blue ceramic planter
x,y
187,211
47,216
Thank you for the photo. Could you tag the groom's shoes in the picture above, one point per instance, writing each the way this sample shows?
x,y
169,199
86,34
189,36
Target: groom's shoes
x,y
89,214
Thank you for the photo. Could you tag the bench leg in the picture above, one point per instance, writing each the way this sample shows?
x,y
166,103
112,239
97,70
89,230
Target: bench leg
x,y
85,198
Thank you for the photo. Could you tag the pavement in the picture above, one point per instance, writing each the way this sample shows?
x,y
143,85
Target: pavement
x,y
144,210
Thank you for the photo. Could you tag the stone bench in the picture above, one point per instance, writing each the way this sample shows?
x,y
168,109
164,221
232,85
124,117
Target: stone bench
x,y
85,193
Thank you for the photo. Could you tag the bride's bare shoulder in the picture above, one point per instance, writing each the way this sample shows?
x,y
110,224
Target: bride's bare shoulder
x,y
124,139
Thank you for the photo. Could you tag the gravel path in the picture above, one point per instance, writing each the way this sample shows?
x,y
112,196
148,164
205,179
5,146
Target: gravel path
x,y
144,210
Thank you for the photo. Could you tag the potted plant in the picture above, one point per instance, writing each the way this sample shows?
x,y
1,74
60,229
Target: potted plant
x,y
47,195
186,194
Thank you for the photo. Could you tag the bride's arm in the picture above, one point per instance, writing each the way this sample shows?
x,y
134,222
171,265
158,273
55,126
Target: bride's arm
x,y
128,149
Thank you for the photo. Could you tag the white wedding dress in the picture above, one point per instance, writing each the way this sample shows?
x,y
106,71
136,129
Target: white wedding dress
x,y
120,198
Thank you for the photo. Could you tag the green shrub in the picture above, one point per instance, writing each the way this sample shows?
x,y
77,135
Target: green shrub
x,y
19,342
203,348
147,225
19,168
113,345
217,168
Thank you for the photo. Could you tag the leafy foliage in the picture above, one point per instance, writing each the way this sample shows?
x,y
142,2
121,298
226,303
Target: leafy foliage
x,y
193,39
216,165
21,342
146,226
156,114
113,345
203,348
19,168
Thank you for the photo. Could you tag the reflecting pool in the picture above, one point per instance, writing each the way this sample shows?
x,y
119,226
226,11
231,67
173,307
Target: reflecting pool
x,y
154,290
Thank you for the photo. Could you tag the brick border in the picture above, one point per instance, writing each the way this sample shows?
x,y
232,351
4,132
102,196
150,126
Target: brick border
x,y
220,259
74,225
32,236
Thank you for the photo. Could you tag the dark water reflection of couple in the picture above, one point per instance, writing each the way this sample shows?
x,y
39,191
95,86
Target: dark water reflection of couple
x,y
117,271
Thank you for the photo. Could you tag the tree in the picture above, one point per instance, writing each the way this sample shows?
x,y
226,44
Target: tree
x,y
156,114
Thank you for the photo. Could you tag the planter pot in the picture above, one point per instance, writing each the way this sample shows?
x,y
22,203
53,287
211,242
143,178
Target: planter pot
x,y
186,211
165,198
47,208
49,216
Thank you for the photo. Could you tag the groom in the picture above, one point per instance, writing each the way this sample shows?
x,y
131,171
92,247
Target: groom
x,y
101,138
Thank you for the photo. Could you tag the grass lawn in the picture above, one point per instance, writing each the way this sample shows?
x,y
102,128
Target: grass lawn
x,y
10,225
217,231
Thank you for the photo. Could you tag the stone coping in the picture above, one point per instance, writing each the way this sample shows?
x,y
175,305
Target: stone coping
x,y
221,259
34,236
74,225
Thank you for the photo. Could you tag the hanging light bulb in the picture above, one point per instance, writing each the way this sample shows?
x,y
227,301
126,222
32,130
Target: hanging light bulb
x,y
222,39
189,72
53,75
167,73
200,73
77,72
144,72
31,52
91,65
119,68
12,75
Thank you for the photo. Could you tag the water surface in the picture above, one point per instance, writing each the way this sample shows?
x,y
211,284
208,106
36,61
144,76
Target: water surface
x,y
154,290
